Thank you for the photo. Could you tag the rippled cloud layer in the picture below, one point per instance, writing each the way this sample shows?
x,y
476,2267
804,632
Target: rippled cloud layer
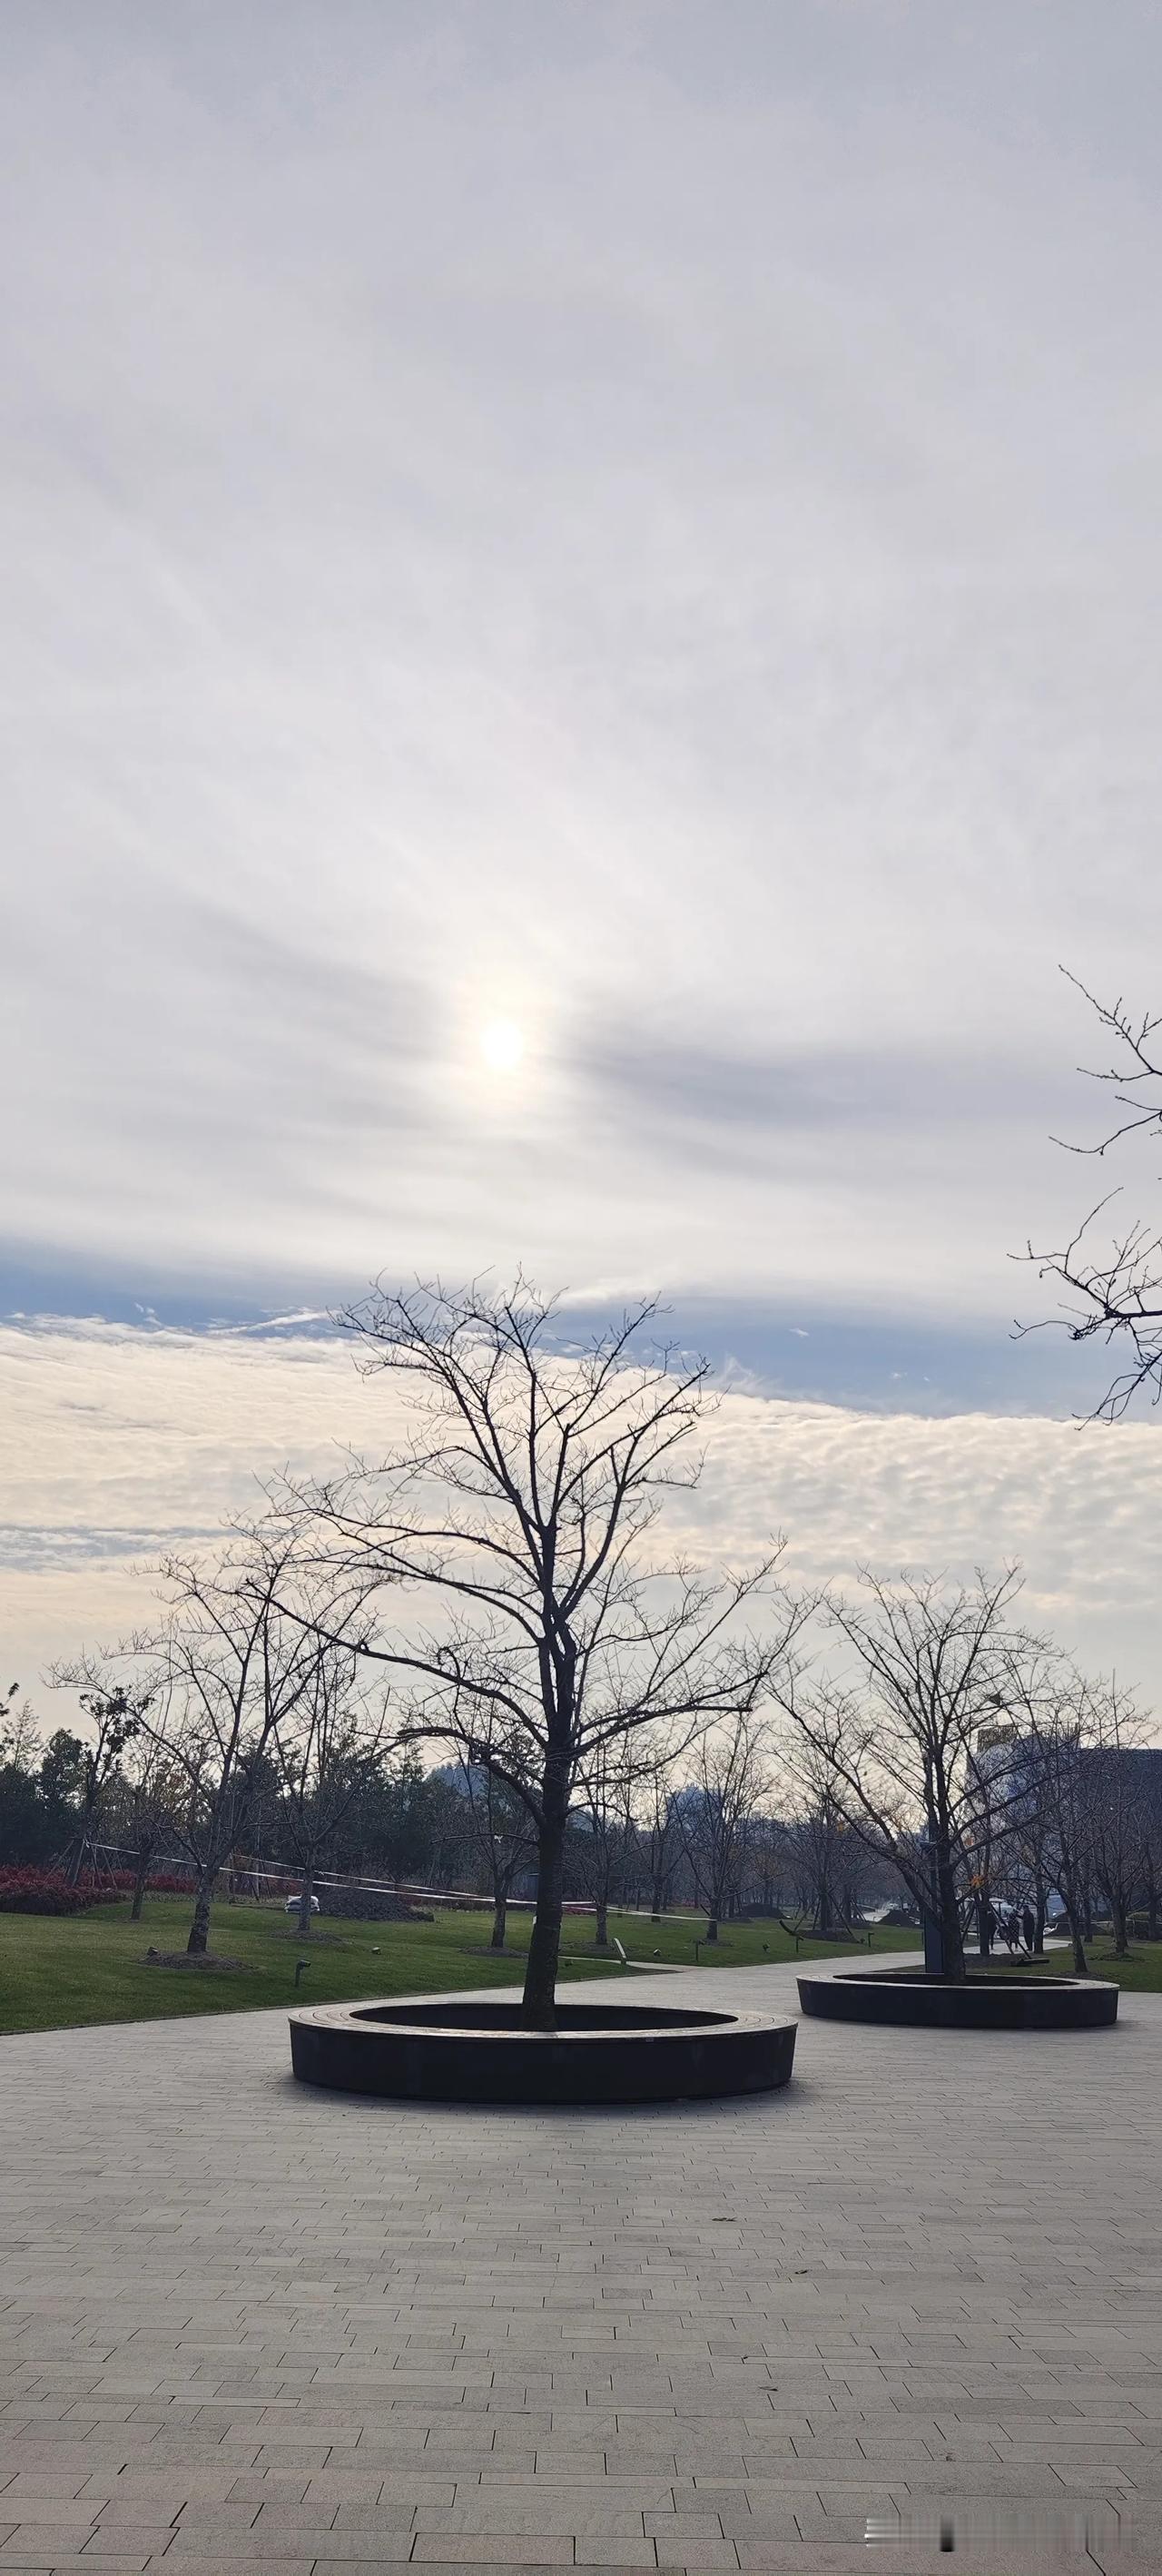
x,y
122,1442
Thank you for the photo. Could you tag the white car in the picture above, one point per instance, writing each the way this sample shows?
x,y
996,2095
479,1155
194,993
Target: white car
x,y
293,1903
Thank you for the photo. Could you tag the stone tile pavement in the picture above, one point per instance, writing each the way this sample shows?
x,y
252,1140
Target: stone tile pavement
x,y
248,2327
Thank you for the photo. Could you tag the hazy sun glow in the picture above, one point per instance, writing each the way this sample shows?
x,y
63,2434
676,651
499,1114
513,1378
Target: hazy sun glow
x,y
502,1045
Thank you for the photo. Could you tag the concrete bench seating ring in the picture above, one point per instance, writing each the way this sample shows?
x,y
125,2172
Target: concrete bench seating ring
x,y
921,2002
425,2049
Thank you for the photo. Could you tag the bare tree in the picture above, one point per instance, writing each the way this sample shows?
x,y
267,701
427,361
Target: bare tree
x,y
1116,1783
770,1864
658,1835
896,1746
145,1801
20,1737
116,1713
520,1518
1050,1704
500,1819
604,1811
325,1752
728,1781
228,1671
1152,1850
990,1825
1113,1285
818,1843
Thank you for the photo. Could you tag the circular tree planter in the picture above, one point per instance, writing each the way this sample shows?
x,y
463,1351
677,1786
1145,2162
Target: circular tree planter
x,y
922,2002
420,2050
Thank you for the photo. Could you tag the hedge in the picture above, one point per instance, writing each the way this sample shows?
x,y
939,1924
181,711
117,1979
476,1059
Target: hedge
x,y
47,1891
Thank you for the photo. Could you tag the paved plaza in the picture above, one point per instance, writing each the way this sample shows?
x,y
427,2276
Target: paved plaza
x,y
251,2327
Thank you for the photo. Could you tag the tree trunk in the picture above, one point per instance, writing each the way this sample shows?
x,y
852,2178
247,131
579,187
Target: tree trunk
x,y
1080,1962
1152,1910
539,2002
983,1935
1121,1928
144,1856
601,1935
306,1892
1039,1921
499,1919
711,1932
824,1910
657,1900
80,1847
199,1940
954,1963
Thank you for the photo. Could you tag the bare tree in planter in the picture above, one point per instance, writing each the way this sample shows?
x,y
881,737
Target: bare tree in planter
x,y
519,1520
729,1779
933,1662
325,1754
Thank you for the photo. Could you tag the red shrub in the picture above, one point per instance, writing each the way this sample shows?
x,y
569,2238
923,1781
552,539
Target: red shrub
x,y
46,1891
121,1882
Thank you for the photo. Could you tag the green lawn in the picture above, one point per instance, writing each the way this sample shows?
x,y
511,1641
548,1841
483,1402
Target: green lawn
x,y
1140,1973
61,1971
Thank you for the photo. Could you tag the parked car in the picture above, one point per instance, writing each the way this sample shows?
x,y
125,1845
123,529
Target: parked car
x,y
293,1903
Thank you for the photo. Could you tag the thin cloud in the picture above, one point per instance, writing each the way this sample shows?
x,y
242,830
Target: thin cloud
x,y
121,1442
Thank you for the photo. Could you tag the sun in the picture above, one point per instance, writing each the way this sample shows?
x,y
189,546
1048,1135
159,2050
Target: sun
x,y
502,1045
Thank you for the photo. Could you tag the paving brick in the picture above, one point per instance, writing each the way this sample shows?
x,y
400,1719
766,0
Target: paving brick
x,y
450,2549
219,2564
615,2554
312,2331
699,2557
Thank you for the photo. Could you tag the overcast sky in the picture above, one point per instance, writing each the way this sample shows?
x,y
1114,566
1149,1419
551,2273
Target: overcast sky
x,y
581,641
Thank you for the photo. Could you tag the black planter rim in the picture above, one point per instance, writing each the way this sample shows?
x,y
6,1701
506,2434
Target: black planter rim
x,y
421,2016
976,1978
912,2000
425,2048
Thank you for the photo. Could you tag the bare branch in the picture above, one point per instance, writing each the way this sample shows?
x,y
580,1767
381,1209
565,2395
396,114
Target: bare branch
x,y
1113,1292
